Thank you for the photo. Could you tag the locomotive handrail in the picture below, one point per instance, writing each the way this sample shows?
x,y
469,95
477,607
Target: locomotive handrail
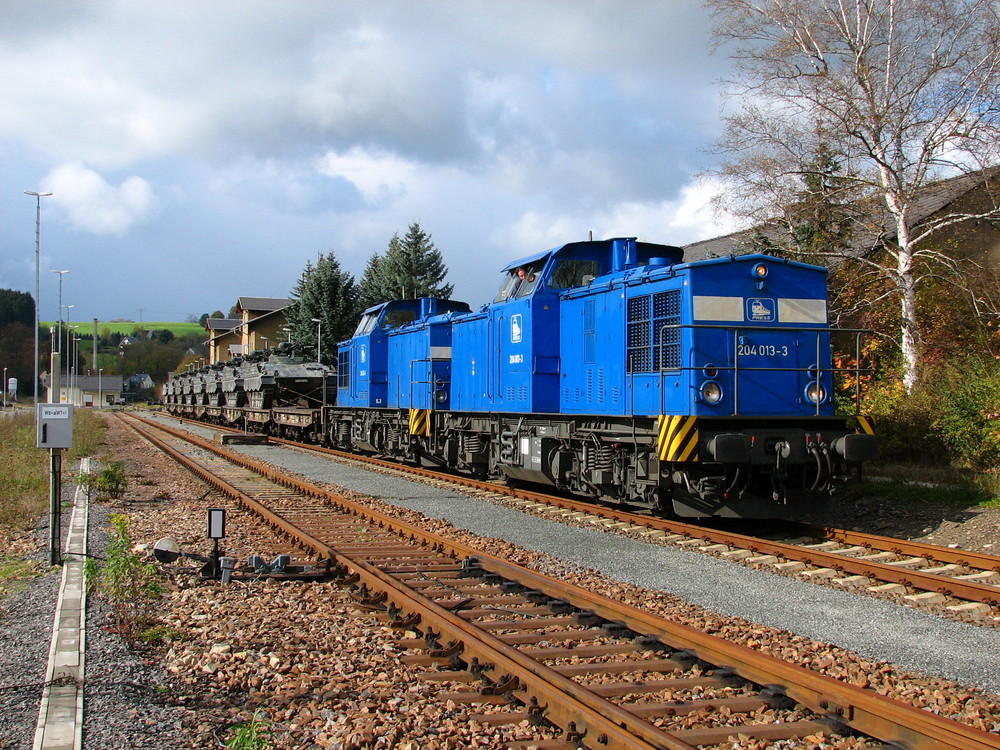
x,y
857,370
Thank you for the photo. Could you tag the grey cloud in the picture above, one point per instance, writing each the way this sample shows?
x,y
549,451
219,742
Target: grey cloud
x,y
266,78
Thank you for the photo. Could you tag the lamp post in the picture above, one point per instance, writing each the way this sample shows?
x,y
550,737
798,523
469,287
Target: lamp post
x,y
70,359
38,256
61,274
76,376
319,343
100,395
67,308
5,388
319,358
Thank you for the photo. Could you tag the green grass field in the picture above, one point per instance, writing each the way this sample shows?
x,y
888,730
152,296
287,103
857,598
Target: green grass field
x,y
87,327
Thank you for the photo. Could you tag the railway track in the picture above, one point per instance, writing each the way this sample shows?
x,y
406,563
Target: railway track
x,y
607,675
959,584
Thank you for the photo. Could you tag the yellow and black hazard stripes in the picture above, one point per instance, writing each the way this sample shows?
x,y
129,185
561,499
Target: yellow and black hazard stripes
x,y
420,422
678,438
866,425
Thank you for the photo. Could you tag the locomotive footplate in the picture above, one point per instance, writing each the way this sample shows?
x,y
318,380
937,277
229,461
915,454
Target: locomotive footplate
x,y
765,472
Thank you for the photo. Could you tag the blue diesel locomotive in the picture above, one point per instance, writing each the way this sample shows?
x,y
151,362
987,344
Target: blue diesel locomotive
x,y
614,370
609,369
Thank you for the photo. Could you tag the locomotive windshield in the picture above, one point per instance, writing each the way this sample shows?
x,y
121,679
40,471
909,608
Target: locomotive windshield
x,y
391,317
519,282
366,324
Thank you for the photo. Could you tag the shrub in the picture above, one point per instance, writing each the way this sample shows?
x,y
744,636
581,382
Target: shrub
x,y
111,482
966,394
127,582
949,420
905,425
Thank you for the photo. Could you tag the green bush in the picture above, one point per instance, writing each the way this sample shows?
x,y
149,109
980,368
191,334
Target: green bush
x,y
905,425
125,580
967,394
948,421
111,482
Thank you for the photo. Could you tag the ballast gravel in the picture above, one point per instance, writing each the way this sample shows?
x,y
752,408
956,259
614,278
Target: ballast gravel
x,y
125,708
874,629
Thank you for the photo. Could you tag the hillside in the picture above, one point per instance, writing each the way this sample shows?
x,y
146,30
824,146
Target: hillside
x,y
127,327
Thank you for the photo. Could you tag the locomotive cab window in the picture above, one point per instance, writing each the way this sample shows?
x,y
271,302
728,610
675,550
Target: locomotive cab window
x,y
366,324
344,369
572,272
397,318
519,282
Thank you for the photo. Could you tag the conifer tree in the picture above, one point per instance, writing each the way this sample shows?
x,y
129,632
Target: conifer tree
x,y
411,267
370,290
16,307
327,294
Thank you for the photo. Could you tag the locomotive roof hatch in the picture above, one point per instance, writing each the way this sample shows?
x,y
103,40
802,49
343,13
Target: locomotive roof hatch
x,y
528,260
644,251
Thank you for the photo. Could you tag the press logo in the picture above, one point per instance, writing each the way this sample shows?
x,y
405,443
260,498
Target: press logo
x,y
760,310
515,329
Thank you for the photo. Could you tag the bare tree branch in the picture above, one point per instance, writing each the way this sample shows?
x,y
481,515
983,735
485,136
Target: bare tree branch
x,y
898,93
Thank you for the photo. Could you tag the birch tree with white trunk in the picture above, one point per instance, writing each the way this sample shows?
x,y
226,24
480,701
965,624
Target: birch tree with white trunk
x,y
902,93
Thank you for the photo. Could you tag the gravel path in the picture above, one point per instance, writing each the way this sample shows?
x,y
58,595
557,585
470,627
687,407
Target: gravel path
x,y
24,653
122,708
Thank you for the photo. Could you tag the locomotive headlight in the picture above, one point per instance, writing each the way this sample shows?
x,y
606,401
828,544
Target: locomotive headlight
x,y
711,392
759,271
815,392
440,395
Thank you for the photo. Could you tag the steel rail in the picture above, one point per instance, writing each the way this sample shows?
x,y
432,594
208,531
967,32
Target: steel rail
x,y
970,558
863,710
567,703
972,591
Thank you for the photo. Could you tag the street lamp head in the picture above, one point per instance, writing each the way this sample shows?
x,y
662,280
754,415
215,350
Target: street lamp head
x,y
37,194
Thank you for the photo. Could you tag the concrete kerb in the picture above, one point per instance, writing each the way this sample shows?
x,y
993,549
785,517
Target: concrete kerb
x,y
60,714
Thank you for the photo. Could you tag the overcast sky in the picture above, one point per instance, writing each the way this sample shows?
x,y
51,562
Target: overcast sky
x,y
199,151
